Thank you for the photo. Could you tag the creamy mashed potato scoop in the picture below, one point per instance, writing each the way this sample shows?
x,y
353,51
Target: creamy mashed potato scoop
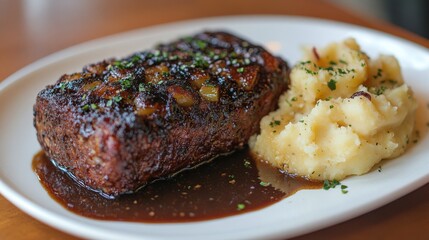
x,y
343,114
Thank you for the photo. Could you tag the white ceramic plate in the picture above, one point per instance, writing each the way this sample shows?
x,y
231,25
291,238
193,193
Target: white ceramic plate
x,y
306,211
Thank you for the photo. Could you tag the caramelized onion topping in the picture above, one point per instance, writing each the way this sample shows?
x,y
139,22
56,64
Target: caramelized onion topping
x,y
361,93
182,96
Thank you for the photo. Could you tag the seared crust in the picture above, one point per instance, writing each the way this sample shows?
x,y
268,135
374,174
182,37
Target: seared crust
x,y
120,124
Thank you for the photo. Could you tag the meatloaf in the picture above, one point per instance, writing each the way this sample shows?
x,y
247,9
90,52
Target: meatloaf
x,y
122,123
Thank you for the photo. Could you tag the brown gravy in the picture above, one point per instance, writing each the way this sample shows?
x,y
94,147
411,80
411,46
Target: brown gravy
x,y
228,186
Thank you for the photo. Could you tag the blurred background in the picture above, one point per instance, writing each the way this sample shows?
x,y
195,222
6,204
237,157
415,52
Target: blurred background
x,y
412,15
31,29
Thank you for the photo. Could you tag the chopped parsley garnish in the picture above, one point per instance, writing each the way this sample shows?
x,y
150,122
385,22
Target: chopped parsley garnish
x,y
379,73
344,189
126,82
85,107
200,62
114,99
164,54
123,64
332,184
149,55
241,206
240,70
117,98
129,64
109,103
247,164
332,106
309,71
328,68
341,71
142,87
211,54
223,54
343,62
135,58
332,63
378,91
188,39
174,57
62,85
264,184
118,64
293,99
275,123
332,84
201,44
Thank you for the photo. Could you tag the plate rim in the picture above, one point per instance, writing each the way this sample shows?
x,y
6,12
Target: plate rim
x,y
33,209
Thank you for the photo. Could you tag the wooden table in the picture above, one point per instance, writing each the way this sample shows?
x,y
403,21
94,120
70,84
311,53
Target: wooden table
x,y
30,30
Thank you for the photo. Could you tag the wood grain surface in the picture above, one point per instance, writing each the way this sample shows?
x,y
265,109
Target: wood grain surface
x,y
31,29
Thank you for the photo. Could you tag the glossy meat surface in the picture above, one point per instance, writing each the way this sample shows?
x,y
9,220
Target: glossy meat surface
x,y
120,124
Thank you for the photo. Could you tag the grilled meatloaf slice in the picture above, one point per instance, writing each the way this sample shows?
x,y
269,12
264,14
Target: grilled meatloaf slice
x,y
120,124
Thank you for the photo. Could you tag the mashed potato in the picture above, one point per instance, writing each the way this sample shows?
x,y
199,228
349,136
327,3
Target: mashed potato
x,y
343,114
